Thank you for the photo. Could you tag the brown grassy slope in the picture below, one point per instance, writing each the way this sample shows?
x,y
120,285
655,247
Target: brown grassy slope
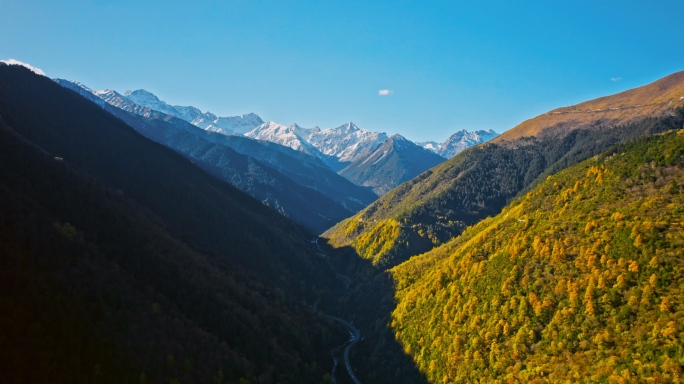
x,y
655,99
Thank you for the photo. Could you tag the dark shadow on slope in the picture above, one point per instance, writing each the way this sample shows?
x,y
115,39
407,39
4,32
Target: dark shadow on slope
x,y
496,174
368,302
124,262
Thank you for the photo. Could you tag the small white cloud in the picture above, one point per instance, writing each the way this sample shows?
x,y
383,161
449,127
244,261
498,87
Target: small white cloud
x,y
17,62
614,79
385,92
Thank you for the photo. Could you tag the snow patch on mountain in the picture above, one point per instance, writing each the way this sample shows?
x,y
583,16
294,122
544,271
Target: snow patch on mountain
x,y
150,100
430,145
347,142
35,70
230,125
292,136
458,142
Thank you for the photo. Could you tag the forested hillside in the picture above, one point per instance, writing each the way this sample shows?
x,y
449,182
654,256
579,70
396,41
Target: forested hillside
x,y
437,205
124,262
579,280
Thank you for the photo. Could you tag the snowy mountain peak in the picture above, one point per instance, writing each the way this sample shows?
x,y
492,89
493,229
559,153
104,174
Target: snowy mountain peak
x,y
142,96
348,127
80,85
458,142
250,116
290,136
143,102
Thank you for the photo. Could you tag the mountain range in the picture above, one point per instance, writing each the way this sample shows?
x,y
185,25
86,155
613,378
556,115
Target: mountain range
x,y
478,182
550,258
289,181
551,253
395,161
459,142
125,262
348,150
338,148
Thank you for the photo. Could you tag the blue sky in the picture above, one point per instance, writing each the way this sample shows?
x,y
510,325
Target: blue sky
x,y
448,65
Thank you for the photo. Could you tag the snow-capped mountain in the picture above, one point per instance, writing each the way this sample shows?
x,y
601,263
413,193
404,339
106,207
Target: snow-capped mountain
x,y
346,142
292,136
346,149
458,142
233,125
292,182
395,161
148,99
430,146
336,146
142,102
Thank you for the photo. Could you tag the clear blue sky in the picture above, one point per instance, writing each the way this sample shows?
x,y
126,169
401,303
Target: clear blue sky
x,y
449,65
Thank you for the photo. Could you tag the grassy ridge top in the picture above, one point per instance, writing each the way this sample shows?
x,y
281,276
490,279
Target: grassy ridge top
x,y
653,99
581,279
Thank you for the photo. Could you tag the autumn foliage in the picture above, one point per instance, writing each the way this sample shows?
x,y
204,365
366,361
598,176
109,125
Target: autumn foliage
x,y
579,280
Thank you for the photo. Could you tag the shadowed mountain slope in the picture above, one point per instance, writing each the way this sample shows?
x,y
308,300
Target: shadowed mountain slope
x,y
124,262
394,162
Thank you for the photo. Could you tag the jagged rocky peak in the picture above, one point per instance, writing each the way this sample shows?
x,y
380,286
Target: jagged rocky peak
x,y
459,141
348,127
142,95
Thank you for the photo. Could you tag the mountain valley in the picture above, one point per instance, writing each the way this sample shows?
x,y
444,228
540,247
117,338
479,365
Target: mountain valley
x,y
147,242
439,204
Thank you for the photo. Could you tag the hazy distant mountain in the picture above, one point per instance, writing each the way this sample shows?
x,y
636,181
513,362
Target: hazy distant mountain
x,y
458,142
297,185
344,147
397,160
233,125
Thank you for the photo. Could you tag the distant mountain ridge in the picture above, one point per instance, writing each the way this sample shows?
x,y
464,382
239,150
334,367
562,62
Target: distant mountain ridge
x,y
459,142
346,143
291,182
397,160
337,147
344,149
